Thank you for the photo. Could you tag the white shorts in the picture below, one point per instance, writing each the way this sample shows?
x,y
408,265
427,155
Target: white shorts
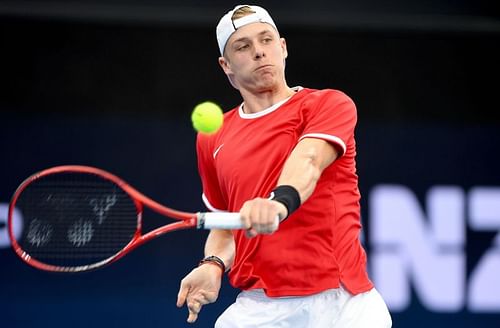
x,y
334,308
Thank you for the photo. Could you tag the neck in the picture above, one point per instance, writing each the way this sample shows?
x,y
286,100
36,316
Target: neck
x,y
255,102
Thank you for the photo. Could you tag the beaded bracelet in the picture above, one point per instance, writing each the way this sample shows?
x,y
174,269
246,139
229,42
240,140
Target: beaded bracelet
x,y
212,259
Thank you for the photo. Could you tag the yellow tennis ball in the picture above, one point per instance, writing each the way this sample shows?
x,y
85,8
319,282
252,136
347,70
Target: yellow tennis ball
x,y
207,117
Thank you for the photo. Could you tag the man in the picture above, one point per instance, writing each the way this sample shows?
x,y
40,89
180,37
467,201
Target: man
x,y
284,154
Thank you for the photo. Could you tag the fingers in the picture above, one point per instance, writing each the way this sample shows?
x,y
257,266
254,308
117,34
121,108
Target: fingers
x,y
195,300
194,308
181,296
195,304
260,216
250,233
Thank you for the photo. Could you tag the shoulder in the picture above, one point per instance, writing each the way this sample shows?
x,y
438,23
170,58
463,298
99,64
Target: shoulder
x,y
314,100
330,95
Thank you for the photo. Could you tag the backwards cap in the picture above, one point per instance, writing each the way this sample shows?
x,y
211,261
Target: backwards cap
x,y
227,26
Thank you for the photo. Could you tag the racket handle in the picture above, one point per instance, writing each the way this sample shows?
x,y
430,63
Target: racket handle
x,y
219,220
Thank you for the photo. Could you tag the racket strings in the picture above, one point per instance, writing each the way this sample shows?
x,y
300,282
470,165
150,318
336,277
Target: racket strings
x,y
75,219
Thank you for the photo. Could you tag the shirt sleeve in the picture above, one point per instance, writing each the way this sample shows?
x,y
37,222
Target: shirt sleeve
x,y
331,115
212,196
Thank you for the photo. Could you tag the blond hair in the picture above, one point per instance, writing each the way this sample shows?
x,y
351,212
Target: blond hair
x,y
242,12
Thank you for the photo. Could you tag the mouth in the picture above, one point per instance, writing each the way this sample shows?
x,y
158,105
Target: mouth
x,y
263,67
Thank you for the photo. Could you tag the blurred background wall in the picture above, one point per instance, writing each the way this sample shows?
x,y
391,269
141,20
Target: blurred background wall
x,y
111,83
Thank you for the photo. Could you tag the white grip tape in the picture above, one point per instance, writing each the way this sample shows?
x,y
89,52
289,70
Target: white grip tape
x,y
219,220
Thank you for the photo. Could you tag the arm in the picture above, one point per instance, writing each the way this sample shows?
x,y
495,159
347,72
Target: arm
x,y
307,161
302,171
201,286
221,244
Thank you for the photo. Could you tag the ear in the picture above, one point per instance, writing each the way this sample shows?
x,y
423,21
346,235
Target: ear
x,y
224,64
284,48
226,67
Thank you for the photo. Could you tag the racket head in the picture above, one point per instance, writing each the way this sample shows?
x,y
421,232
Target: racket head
x,y
73,219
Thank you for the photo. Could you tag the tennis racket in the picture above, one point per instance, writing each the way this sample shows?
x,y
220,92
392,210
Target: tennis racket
x,y
80,218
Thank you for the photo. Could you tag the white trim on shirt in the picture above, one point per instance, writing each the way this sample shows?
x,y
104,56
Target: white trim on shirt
x,y
336,140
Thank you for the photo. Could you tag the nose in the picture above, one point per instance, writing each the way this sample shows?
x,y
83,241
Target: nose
x,y
259,53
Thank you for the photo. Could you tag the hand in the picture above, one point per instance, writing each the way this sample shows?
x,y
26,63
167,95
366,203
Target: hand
x,y
261,216
201,286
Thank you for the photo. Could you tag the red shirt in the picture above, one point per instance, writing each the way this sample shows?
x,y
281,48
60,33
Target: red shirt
x,y
317,247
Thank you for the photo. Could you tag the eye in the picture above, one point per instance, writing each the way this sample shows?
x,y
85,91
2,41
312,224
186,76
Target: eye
x,y
241,47
267,39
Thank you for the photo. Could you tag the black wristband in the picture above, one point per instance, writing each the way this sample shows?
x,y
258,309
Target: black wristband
x,y
288,196
215,260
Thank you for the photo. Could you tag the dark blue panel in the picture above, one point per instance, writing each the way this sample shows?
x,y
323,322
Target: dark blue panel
x,y
157,156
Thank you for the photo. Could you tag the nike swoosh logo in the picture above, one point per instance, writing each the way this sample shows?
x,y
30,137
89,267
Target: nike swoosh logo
x,y
217,150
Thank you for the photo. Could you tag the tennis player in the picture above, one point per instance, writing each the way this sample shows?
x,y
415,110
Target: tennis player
x,y
286,152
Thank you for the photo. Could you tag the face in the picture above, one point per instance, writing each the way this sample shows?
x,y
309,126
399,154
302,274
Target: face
x,y
254,58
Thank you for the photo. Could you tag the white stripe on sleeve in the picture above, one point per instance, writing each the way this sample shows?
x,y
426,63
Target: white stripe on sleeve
x,y
328,137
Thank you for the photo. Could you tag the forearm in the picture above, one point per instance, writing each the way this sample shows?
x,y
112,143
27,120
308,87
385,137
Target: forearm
x,y
305,164
301,171
221,244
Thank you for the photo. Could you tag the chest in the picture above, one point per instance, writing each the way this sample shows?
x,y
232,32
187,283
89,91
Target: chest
x,y
250,154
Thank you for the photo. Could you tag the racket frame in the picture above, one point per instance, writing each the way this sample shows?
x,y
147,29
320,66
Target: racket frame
x,y
185,220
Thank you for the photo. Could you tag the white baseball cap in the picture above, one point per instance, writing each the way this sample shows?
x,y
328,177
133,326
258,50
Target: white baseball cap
x,y
227,26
